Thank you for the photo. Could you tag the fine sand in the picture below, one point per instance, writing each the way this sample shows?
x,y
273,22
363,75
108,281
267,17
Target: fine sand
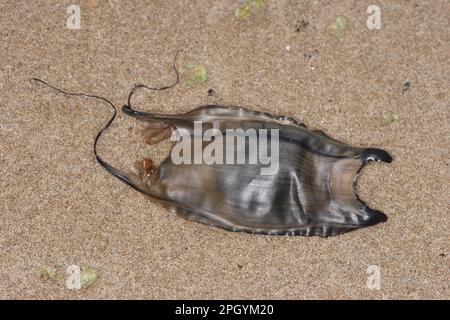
x,y
316,61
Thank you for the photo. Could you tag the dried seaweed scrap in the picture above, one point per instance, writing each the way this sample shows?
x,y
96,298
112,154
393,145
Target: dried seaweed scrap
x,y
246,7
339,26
390,117
197,74
312,192
52,273
88,276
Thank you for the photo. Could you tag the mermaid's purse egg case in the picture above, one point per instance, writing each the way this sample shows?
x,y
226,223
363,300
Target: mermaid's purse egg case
x,y
310,192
